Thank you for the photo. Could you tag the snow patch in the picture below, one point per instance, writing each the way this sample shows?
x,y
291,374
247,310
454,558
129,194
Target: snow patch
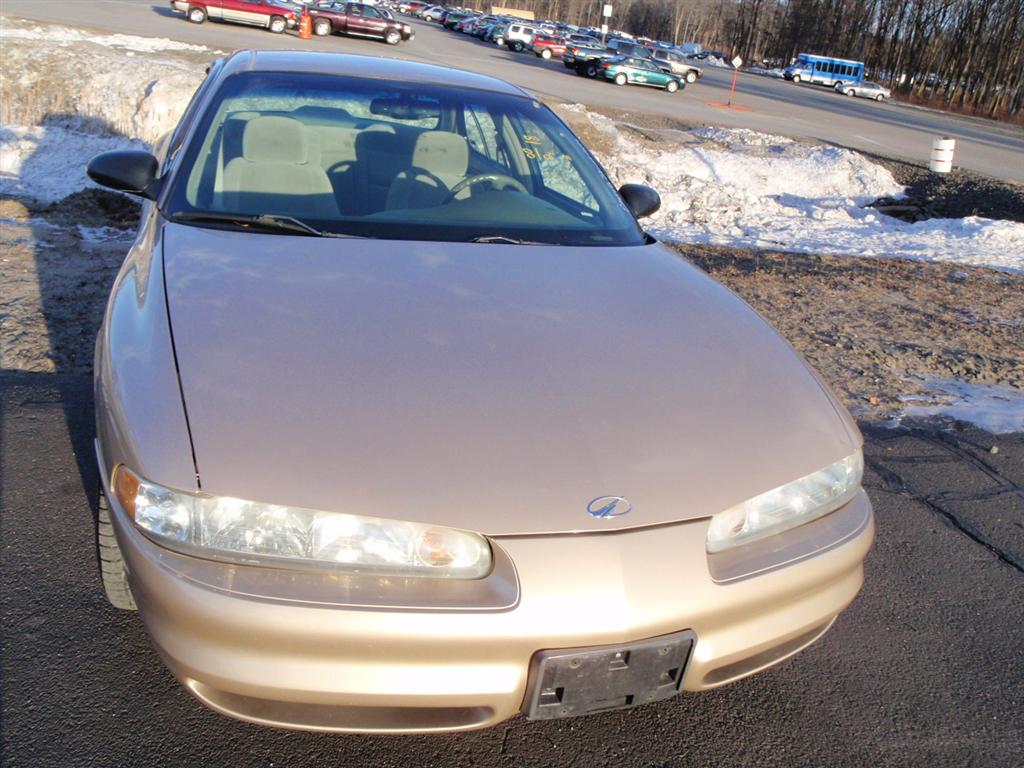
x,y
48,163
736,187
66,36
995,408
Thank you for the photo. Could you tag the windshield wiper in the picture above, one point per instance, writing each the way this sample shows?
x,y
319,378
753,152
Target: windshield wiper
x,y
502,239
266,221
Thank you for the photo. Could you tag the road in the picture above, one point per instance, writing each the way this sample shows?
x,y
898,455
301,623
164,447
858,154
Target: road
x,y
775,106
924,669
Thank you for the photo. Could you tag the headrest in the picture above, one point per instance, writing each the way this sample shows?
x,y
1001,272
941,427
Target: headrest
x,y
274,139
442,153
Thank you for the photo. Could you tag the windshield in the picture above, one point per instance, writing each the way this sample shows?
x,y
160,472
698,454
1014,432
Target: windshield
x,y
391,160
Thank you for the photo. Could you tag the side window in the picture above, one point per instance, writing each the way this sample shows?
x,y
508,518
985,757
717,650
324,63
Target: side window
x,y
482,133
355,10
371,13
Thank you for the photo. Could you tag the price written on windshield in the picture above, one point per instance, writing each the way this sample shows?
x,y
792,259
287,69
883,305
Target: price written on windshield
x,y
536,154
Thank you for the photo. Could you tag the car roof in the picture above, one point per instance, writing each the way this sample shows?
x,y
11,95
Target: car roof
x,y
319,62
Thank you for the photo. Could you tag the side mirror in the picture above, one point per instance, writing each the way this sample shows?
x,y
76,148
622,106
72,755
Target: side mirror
x,y
128,171
641,200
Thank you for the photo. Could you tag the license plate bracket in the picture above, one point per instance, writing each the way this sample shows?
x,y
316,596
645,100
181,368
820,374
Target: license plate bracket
x,y
578,681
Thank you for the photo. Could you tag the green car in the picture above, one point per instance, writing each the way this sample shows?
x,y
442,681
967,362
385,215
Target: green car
x,y
629,69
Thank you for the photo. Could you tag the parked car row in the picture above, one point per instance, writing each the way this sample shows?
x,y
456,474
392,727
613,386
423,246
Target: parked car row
x,y
328,17
619,58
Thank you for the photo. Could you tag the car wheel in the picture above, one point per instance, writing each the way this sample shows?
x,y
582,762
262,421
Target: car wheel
x,y
322,28
672,86
850,92
546,53
112,570
196,15
590,70
393,37
621,79
796,78
517,46
879,97
499,40
277,25
691,77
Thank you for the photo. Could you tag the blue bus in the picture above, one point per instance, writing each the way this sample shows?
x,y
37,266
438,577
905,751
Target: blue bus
x,y
824,70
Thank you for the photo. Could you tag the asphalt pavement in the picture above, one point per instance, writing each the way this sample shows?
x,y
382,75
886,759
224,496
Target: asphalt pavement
x,y
924,669
769,104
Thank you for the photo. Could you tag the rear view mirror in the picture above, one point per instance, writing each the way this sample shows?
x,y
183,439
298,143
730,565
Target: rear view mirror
x,y
405,109
641,200
128,171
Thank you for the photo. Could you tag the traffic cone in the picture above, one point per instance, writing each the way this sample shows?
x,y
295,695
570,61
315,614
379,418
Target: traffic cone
x,y
305,25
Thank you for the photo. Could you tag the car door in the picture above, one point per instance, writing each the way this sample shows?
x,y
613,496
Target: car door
x,y
245,11
637,71
355,23
374,22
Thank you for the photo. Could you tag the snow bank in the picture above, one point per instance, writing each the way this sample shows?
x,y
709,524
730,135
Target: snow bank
x,y
96,83
65,36
737,187
48,163
992,407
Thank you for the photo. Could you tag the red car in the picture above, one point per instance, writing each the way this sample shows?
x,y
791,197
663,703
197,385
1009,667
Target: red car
x,y
547,46
359,20
260,13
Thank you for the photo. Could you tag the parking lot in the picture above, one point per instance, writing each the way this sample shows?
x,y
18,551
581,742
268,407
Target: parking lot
x,y
774,106
924,669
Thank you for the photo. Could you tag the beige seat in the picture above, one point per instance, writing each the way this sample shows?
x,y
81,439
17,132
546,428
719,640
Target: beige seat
x,y
277,172
440,160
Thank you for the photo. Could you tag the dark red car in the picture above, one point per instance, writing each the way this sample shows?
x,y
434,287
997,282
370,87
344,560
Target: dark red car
x,y
359,20
547,46
260,13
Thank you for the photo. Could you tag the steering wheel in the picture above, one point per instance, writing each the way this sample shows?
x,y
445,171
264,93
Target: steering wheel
x,y
498,180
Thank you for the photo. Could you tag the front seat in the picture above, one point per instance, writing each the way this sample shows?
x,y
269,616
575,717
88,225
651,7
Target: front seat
x,y
277,172
440,160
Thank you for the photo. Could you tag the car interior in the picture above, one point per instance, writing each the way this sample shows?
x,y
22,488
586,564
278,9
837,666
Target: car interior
x,y
410,158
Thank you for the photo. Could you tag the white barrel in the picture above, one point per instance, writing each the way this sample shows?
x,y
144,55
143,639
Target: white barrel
x,y
942,155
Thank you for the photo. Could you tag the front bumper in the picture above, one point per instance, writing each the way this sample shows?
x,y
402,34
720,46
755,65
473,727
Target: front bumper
x,y
279,660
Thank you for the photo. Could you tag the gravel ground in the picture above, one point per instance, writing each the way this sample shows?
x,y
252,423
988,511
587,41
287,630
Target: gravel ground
x,y
875,328
957,194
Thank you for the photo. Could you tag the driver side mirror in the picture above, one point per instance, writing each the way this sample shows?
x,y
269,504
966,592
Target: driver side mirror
x,y
640,199
130,171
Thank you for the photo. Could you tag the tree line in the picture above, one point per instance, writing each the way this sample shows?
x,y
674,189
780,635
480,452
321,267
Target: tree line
x,y
966,54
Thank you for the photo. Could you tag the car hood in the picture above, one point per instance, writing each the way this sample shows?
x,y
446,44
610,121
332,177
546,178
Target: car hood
x,y
496,388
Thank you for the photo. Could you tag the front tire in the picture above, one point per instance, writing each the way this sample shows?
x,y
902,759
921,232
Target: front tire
x,y
196,15
797,79
850,92
499,41
879,98
112,570
277,24
546,53
322,28
393,37
672,86
590,70
621,79
691,77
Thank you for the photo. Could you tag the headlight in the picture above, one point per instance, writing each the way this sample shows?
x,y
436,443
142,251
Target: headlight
x,y
788,505
247,532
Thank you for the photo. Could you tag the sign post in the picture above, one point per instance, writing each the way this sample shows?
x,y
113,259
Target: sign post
x,y
606,13
736,64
